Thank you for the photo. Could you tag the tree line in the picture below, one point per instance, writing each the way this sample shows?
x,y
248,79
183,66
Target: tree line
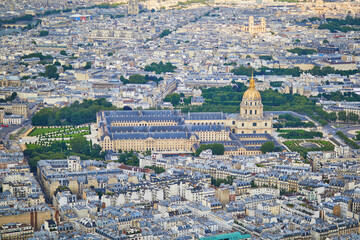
x,y
295,71
76,114
140,79
160,67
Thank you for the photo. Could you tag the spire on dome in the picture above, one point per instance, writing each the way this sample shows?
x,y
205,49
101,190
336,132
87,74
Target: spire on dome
x,y
252,81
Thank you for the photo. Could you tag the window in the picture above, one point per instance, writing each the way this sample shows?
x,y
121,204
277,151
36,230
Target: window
x,y
255,112
242,132
233,122
265,124
245,111
250,112
254,124
265,131
243,124
254,132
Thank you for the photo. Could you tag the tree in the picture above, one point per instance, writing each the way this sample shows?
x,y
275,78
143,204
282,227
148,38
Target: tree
x,y
174,98
88,65
137,79
332,117
268,147
13,96
217,148
43,33
164,33
133,161
79,144
352,117
63,52
342,116
51,71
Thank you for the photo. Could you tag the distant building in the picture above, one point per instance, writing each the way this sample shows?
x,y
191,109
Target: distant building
x,y
255,29
16,231
133,7
16,107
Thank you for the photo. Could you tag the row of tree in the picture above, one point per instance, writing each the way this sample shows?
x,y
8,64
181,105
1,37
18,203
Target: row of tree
x,y
347,140
346,117
302,51
296,134
76,114
296,71
160,67
140,79
339,96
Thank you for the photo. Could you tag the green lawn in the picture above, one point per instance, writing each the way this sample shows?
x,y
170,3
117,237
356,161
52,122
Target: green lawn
x,y
48,135
61,130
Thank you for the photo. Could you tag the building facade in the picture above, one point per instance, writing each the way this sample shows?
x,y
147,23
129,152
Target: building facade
x,y
173,131
253,28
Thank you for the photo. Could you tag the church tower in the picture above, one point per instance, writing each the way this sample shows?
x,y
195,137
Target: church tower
x,y
251,106
133,7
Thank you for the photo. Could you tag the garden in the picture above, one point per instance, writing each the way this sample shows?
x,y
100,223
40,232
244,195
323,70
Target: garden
x,y
305,146
47,135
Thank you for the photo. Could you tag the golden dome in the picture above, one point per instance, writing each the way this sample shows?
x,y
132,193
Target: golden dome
x,y
251,94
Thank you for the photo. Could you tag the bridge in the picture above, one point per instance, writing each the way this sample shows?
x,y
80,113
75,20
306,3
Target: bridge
x,y
14,25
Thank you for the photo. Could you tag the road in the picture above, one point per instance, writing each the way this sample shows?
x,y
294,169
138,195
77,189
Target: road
x,y
5,131
347,129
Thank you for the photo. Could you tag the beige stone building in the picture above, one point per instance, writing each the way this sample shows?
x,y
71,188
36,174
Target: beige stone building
x,y
16,107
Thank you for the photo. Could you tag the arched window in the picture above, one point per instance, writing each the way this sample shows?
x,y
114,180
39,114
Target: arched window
x,y
254,132
255,112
